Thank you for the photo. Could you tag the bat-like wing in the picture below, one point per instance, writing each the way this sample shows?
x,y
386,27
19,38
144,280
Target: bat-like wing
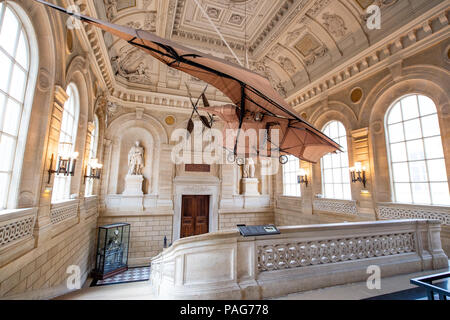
x,y
249,91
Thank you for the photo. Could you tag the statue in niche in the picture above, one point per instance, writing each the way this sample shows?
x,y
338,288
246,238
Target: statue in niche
x,y
249,168
136,160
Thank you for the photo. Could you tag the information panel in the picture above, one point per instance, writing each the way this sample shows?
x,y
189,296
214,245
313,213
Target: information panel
x,y
250,231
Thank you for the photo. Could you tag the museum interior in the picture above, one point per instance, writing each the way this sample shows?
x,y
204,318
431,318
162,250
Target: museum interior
x,y
92,191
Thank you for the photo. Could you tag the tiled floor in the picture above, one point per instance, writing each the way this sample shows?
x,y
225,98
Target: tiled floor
x,y
131,275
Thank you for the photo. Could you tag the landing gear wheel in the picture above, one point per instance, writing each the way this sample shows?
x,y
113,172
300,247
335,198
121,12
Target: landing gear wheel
x,y
231,157
283,159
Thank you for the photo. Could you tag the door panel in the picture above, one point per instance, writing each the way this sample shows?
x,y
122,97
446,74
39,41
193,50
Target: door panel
x,y
194,215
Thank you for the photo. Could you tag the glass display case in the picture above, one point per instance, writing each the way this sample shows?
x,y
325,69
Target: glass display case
x,y
112,250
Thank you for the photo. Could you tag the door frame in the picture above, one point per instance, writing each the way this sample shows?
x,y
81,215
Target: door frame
x,y
196,185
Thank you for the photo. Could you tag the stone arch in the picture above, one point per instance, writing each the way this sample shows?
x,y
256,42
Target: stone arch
x,y
425,80
115,133
333,111
41,33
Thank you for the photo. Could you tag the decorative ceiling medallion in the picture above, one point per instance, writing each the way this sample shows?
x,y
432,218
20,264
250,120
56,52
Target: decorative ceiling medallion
x,y
356,95
213,13
334,24
170,120
236,19
307,45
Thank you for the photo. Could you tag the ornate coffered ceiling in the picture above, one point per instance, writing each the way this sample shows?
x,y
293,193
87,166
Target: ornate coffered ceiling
x,y
291,42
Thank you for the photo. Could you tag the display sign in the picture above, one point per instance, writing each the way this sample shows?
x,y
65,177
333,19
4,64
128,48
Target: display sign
x,y
250,231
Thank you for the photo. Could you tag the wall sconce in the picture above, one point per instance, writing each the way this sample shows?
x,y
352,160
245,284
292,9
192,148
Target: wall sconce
x,y
358,173
66,165
302,177
96,169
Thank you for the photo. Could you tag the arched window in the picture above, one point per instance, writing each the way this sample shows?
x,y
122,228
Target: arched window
x,y
67,138
416,156
92,155
17,82
291,169
335,171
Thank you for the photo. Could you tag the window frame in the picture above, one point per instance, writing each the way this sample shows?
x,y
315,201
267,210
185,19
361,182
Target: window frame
x,y
346,169
25,27
422,138
296,172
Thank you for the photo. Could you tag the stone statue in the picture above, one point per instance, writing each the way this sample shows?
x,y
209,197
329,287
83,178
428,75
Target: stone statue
x,y
249,168
135,160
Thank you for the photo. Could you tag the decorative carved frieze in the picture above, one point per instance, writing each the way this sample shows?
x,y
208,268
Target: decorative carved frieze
x,y
337,206
334,24
16,229
394,211
301,254
63,211
369,60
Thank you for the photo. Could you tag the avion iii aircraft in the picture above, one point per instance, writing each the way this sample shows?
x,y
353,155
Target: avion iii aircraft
x,y
255,104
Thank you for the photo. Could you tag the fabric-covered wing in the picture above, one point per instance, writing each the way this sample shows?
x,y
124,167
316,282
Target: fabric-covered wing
x,y
242,86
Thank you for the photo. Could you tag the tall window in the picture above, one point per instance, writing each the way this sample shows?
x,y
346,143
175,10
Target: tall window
x,y
16,92
67,137
417,165
291,169
92,155
335,171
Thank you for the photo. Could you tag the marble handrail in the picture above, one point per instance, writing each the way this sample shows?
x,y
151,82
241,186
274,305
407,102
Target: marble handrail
x,y
225,265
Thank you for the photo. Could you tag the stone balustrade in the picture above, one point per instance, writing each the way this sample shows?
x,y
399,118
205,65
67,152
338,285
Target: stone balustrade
x,y
336,206
408,211
16,225
225,265
62,211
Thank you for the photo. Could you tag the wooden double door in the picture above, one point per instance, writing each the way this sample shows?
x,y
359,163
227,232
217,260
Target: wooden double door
x,y
194,215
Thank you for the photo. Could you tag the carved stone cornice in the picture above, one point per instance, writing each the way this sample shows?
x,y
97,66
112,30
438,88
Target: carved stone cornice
x,y
407,41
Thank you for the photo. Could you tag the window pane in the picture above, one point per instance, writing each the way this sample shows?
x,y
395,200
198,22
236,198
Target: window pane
x,y
396,133
334,130
398,152
22,51
12,117
5,64
7,146
347,191
327,162
395,114
409,107
433,147
426,106
415,150
430,126
421,193
412,129
337,175
401,173
18,83
421,166
418,171
437,170
440,194
8,36
403,192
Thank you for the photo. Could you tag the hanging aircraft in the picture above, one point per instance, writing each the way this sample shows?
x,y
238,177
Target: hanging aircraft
x,y
255,104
